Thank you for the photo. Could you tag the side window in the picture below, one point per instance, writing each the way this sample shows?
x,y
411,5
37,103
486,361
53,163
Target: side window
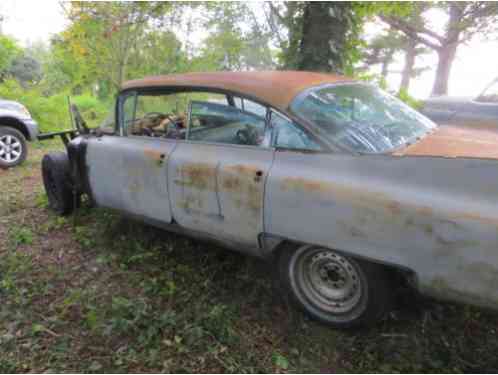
x,y
286,134
220,123
162,115
249,106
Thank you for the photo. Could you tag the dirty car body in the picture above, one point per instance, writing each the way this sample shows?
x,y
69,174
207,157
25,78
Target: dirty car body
x,y
325,163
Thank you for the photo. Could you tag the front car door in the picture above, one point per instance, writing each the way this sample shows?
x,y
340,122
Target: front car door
x,y
128,172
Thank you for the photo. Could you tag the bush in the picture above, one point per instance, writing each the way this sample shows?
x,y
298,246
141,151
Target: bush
x,y
52,113
408,99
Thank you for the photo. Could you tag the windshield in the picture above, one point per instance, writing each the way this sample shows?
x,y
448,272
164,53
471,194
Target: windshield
x,y
361,117
490,94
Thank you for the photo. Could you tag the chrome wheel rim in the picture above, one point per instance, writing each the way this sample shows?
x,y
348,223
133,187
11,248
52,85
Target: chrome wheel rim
x,y
328,280
10,148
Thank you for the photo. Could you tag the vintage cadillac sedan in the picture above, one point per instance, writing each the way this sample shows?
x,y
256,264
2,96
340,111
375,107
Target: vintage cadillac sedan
x,y
344,187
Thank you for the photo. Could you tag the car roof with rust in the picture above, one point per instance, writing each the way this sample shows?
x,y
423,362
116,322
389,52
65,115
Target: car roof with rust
x,y
276,88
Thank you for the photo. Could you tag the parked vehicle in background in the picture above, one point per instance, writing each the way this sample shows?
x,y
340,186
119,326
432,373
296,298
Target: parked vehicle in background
x,y
348,190
476,112
16,128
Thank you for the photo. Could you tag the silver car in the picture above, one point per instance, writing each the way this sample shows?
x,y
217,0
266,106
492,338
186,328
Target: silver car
x,y
345,188
16,127
476,112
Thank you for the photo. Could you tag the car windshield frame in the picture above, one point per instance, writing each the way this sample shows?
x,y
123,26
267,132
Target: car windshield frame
x,y
425,125
486,97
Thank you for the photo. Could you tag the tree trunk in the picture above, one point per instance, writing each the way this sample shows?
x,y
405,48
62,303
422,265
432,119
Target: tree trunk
x,y
446,55
323,40
385,67
447,52
406,75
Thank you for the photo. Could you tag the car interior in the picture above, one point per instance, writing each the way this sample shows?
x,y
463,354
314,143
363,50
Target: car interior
x,y
218,120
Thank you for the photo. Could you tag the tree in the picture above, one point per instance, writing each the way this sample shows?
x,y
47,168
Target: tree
x,y
8,52
465,20
26,70
106,34
381,51
236,41
319,34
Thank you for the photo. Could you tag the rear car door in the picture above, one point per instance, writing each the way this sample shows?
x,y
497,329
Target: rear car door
x,y
217,175
128,173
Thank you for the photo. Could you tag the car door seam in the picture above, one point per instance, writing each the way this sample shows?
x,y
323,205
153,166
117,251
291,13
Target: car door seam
x,y
263,205
216,186
168,189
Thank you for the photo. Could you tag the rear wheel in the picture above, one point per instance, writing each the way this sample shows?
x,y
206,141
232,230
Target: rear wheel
x,y
57,181
13,147
333,288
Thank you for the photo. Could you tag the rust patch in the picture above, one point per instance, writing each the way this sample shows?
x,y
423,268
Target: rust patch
x,y
368,200
154,154
239,181
454,142
197,175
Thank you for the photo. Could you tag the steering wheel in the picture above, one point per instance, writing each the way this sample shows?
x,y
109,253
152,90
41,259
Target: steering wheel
x,y
247,136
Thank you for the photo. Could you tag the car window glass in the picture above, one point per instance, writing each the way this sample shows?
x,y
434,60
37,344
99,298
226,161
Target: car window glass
x,y
490,95
289,135
360,117
128,111
220,123
163,115
250,106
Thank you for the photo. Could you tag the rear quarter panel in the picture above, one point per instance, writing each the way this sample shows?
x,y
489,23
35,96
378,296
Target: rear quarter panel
x,y
435,216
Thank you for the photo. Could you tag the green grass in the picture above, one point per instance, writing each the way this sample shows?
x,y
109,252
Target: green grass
x,y
98,293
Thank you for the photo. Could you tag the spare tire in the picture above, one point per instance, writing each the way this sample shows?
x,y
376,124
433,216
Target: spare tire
x,y
58,184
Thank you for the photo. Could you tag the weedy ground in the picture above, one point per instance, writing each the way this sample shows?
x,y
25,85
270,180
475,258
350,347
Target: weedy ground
x,y
98,293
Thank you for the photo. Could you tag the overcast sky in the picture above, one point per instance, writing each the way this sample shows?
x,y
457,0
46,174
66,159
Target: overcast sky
x,y
475,65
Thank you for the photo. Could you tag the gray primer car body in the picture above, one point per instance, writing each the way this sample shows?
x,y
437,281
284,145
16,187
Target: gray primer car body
x,y
13,114
432,214
477,112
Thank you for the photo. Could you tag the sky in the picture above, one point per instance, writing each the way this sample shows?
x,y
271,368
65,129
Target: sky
x,y
474,67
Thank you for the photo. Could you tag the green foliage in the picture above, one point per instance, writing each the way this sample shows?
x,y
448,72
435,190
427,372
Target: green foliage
x,y
280,361
411,101
8,52
52,112
21,236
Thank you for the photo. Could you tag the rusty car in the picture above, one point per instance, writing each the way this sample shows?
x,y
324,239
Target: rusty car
x,y
347,190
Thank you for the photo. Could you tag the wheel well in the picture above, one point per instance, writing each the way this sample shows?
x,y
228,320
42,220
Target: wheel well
x,y
16,124
396,273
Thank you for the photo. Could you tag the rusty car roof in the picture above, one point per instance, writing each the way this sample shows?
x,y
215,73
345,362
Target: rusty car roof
x,y
276,88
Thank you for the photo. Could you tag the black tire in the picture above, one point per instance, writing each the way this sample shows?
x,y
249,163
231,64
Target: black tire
x,y
335,289
57,181
13,147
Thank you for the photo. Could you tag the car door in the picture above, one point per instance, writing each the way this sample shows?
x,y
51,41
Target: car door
x,y
217,175
128,173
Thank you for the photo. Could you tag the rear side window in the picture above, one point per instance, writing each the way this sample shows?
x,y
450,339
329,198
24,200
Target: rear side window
x,y
249,106
220,123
